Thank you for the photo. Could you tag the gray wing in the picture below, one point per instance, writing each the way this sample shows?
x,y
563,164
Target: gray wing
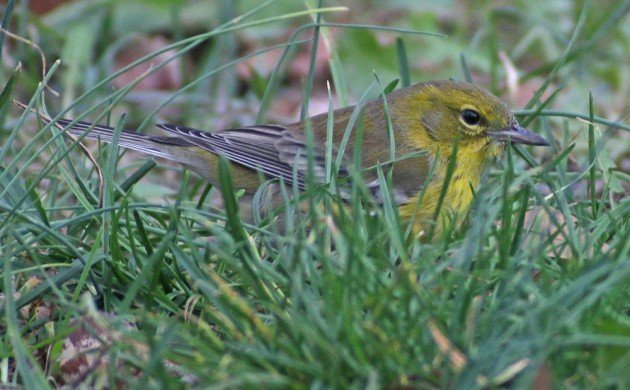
x,y
270,149
274,151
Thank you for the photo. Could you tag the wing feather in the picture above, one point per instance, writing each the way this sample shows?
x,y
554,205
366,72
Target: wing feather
x,y
272,150
254,147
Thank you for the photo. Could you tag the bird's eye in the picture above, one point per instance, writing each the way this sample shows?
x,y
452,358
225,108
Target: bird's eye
x,y
471,117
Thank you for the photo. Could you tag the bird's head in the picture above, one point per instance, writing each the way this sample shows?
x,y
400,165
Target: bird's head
x,y
451,109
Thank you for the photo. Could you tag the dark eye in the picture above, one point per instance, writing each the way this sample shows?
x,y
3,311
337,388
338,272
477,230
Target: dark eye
x,y
471,117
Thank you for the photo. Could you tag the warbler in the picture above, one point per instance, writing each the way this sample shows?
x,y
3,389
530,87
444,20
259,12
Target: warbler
x,y
431,122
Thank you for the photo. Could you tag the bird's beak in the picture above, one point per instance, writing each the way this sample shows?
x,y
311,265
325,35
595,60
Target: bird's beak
x,y
518,135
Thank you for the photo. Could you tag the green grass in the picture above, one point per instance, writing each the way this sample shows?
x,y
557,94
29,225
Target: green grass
x,y
532,289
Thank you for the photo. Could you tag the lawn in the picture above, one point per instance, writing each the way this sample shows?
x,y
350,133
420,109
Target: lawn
x,y
123,270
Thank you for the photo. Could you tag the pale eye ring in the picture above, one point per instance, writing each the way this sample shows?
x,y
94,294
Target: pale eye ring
x,y
470,117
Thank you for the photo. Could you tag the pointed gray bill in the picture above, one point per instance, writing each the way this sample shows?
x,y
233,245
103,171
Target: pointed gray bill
x,y
519,135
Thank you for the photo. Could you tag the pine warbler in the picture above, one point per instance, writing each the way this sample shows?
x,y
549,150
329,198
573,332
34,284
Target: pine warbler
x,y
427,119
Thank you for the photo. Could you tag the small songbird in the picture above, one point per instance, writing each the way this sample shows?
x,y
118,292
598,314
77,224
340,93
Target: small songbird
x,y
427,121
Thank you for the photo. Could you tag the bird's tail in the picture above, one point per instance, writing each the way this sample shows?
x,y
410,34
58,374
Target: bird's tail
x,y
198,153
156,146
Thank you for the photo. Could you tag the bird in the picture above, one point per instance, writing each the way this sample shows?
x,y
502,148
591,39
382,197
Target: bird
x,y
429,124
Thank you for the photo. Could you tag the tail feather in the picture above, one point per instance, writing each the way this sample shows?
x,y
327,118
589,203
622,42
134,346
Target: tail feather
x,y
131,140
176,149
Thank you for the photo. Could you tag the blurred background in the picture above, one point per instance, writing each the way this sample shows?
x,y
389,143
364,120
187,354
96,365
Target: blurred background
x,y
509,46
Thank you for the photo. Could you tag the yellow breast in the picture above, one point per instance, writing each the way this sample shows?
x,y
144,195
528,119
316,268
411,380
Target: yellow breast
x,y
459,194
